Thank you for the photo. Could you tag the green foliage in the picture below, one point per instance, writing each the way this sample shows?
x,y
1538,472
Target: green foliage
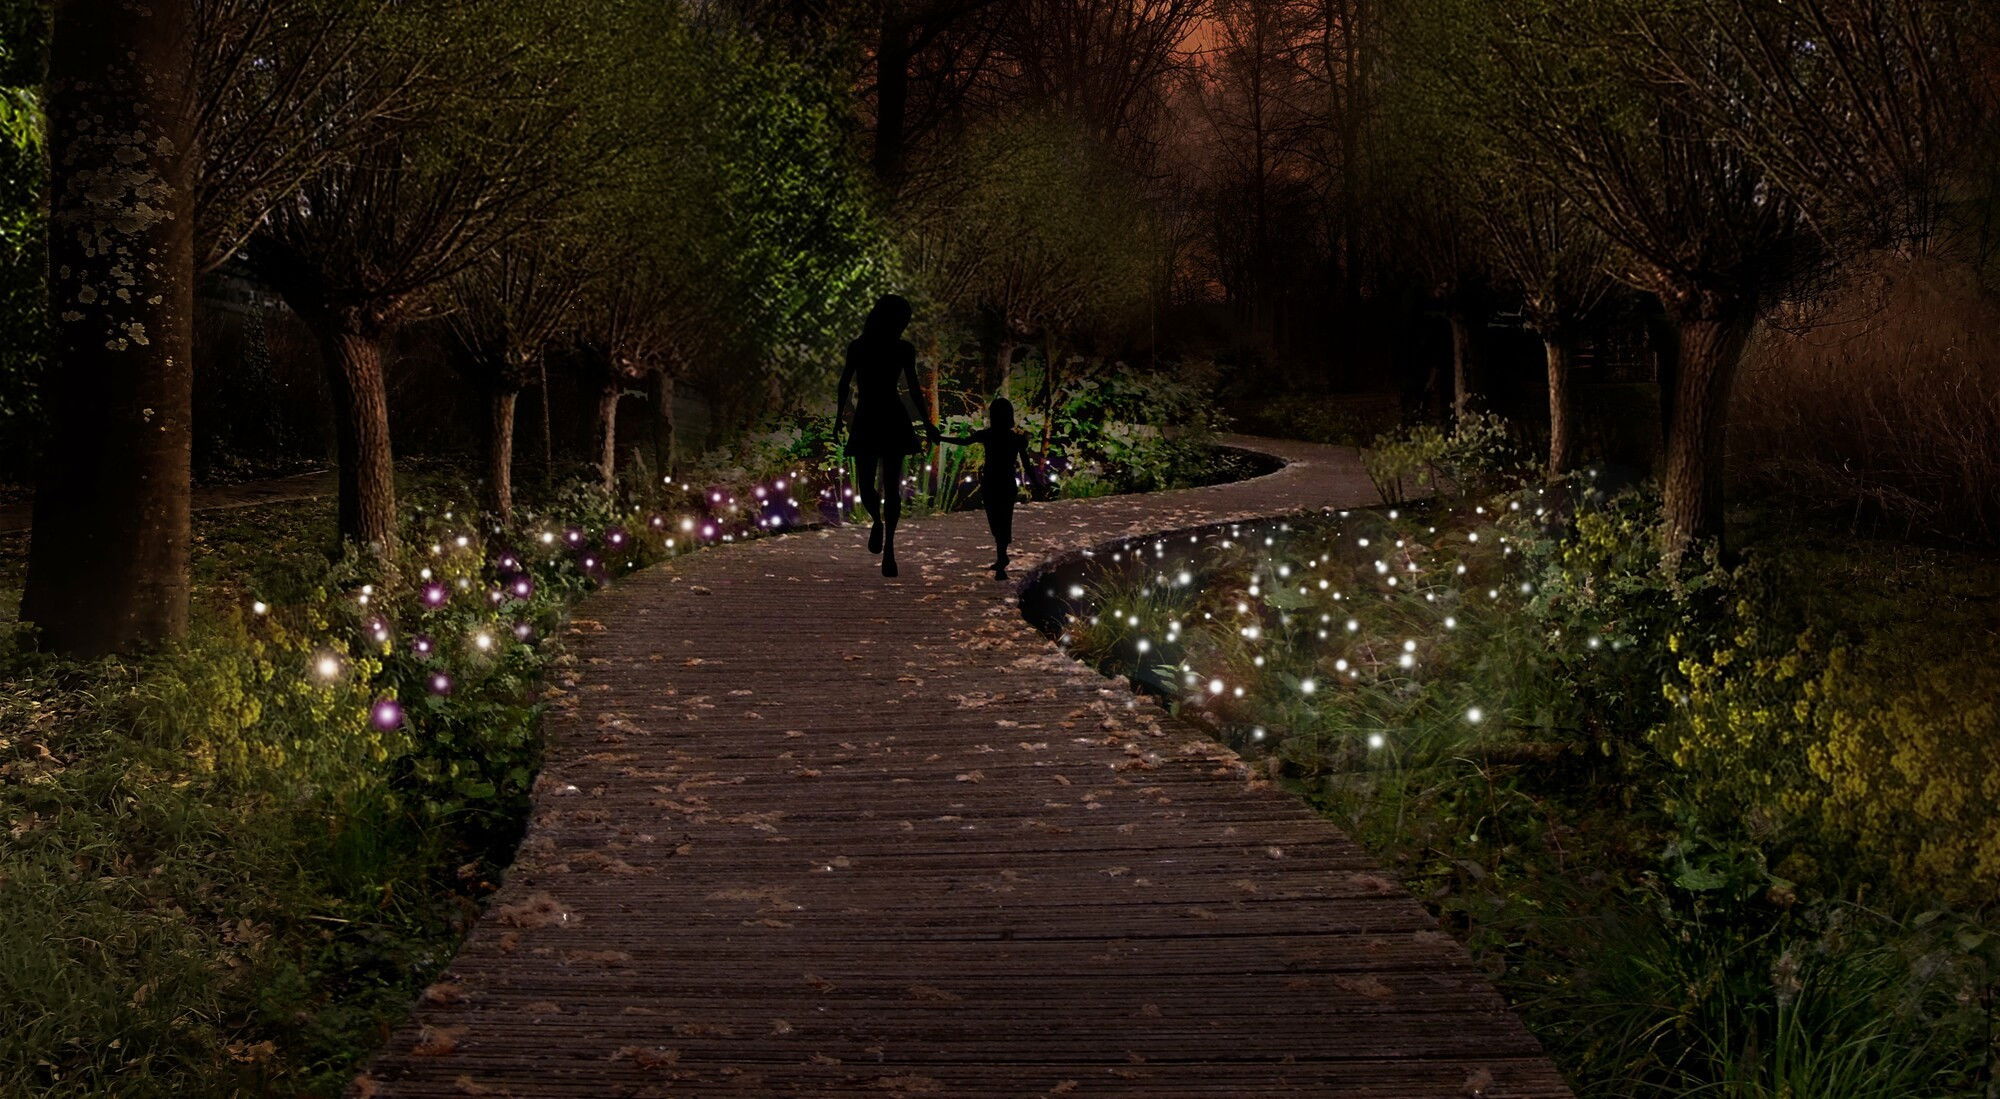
x,y
222,876
23,170
1647,798
1034,222
1475,456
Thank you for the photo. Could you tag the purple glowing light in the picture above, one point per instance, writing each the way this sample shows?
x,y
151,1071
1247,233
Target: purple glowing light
x,y
422,644
387,714
436,595
440,684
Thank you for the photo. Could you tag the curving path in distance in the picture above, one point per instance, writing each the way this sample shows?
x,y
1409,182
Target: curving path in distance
x,y
805,831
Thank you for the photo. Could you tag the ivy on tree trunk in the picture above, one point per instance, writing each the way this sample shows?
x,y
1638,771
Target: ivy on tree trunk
x,y
108,564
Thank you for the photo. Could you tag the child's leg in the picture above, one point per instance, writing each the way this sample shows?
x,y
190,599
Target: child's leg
x,y
1000,520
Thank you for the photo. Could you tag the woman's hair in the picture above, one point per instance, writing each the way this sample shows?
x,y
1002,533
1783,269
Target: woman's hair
x,y
1000,414
889,317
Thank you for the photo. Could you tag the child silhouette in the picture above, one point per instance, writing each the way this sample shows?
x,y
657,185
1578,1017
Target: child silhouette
x,y
1005,446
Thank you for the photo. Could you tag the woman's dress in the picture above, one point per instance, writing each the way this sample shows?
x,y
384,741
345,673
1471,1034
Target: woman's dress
x,y
882,424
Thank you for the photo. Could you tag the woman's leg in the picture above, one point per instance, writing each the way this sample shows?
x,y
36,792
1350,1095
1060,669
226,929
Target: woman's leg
x,y
864,478
871,499
892,508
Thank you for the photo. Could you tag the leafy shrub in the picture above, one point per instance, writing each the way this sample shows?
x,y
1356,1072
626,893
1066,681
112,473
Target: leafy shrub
x,y
1473,458
1892,755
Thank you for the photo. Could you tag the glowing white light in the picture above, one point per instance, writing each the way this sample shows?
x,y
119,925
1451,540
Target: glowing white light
x,y
1375,740
1215,686
260,607
1475,715
1307,686
482,641
1450,623
1353,625
328,667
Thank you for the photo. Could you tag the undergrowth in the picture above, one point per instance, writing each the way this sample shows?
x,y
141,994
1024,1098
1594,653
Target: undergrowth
x,y
1715,831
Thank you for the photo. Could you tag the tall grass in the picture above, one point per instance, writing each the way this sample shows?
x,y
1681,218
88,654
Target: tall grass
x,y
1886,408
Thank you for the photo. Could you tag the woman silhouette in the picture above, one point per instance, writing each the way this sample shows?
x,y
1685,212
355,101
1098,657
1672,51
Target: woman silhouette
x,y
882,435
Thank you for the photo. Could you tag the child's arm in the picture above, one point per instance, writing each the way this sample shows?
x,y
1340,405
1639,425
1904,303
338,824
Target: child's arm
x,y
1029,475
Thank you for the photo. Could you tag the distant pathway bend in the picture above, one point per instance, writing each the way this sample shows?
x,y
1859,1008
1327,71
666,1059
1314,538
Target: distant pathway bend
x,y
806,832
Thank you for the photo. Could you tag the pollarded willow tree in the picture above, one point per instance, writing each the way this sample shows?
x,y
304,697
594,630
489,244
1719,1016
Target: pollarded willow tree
x,y
1557,261
1692,220
505,311
368,243
1731,153
1533,238
365,248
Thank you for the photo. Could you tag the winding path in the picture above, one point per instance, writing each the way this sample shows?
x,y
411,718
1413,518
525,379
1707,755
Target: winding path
x,y
803,831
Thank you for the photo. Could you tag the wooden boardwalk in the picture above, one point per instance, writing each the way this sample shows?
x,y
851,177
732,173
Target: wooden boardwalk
x,y
805,831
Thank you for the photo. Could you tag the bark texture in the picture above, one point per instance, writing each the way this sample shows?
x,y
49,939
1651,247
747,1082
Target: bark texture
x,y
1710,347
500,454
663,423
108,563
1559,351
1462,364
353,361
607,437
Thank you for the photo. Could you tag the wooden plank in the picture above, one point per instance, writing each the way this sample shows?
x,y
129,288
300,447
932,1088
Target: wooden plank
x,y
804,831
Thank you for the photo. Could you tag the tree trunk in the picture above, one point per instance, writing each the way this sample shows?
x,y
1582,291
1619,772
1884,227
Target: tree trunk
x,y
892,96
1462,364
353,360
663,423
500,455
108,561
1710,349
927,379
607,437
1562,445
1050,367
1002,371
548,431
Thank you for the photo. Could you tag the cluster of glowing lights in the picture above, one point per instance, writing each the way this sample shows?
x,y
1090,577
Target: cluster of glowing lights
x,y
719,516
1267,608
